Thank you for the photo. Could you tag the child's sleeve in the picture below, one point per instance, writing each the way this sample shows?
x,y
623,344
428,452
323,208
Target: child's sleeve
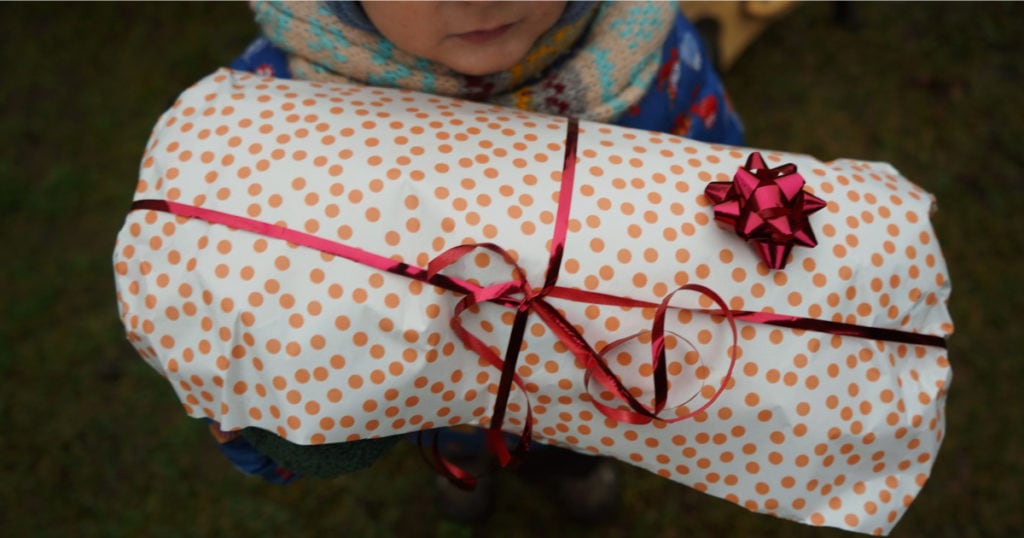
x,y
686,97
263,58
247,459
322,461
260,453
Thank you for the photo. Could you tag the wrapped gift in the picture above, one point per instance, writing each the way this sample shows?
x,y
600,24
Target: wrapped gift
x,y
337,262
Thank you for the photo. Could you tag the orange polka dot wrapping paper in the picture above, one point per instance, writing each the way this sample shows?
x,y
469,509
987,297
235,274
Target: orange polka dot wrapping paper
x,y
252,329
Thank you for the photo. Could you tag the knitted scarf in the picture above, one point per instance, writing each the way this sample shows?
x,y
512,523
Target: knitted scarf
x,y
593,68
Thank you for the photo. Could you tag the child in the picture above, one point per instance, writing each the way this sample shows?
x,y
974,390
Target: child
x,y
633,64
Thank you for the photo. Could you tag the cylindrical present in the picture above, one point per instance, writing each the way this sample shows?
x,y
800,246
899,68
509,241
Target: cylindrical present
x,y
255,324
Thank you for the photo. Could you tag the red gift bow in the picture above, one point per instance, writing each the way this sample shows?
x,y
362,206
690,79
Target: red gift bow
x,y
519,294
766,207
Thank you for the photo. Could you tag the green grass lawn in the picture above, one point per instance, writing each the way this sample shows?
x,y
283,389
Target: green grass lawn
x,y
94,443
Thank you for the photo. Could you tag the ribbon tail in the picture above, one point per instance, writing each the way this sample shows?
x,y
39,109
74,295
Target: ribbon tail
x,y
495,435
458,476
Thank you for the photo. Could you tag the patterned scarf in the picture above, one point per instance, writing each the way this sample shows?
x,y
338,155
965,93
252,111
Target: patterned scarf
x,y
593,68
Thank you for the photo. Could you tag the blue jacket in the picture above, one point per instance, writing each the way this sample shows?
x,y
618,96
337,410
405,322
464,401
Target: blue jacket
x,y
686,98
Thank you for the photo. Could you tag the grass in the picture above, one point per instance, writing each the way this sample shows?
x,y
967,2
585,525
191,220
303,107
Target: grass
x,y
94,443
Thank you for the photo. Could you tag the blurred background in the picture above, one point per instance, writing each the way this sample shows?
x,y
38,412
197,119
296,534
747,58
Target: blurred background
x,y
93,443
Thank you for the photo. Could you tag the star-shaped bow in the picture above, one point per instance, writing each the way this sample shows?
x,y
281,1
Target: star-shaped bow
x,y
766,207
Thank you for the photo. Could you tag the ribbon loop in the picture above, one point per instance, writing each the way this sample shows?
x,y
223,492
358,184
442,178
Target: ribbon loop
x,y
640,413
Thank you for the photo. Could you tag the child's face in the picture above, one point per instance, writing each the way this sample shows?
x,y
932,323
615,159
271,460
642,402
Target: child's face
x,y
472,38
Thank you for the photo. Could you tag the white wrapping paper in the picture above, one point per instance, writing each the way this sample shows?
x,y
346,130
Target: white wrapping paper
x,y
256,331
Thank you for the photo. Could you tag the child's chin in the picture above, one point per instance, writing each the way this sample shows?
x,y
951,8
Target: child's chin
x,y
476,66
480,72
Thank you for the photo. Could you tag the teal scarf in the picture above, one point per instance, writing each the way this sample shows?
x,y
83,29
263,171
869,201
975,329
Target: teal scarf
x,y
594,68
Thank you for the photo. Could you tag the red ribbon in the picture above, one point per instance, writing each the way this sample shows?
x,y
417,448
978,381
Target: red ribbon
x,y
766,207
519,294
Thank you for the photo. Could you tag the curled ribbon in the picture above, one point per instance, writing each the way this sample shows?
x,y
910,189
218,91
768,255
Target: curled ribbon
x,y
519,294
766,207
641,414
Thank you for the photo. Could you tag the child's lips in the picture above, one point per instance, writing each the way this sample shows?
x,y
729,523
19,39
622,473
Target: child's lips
x,y
479,37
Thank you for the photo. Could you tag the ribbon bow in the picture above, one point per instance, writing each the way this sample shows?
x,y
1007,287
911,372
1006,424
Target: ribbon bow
x,y
517,293
766,207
